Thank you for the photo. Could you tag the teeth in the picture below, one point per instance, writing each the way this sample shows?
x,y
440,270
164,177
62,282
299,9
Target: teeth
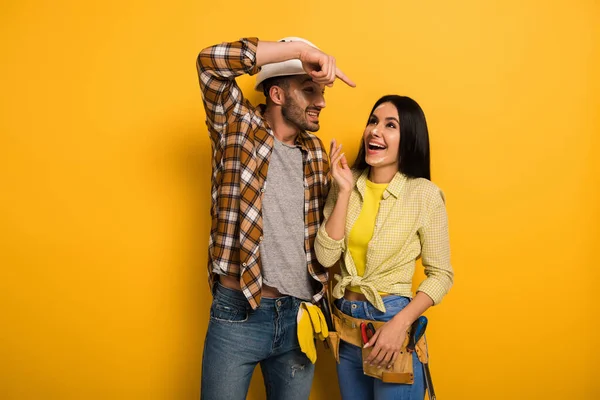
x,y
379,146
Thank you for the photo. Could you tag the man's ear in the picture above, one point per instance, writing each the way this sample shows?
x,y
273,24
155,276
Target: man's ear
x,y
277,95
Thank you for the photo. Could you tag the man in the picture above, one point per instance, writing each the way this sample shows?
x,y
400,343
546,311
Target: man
x,y
269,185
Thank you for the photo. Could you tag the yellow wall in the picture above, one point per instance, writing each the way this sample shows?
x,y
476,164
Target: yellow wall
x,y
104,167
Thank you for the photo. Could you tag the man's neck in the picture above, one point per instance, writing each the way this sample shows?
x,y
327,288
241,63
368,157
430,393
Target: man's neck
x,y
282,129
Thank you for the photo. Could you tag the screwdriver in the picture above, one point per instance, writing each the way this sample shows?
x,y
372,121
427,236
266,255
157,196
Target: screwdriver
x,y
417,330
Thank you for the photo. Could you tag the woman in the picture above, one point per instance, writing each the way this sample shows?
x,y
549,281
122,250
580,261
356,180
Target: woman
x,y
380,217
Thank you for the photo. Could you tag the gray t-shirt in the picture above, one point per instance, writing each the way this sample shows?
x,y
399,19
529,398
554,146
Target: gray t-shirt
x,y
283,257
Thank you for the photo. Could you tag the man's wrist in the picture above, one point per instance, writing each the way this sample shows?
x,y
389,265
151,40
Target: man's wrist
x,y
297,48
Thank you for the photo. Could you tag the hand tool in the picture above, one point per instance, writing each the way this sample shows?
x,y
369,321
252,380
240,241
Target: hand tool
x,y
416,331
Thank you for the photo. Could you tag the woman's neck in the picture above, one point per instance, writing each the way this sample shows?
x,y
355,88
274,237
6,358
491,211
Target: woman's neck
x,y
382,174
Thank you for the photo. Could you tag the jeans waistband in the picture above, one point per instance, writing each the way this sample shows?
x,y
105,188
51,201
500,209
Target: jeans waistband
x,y
265,302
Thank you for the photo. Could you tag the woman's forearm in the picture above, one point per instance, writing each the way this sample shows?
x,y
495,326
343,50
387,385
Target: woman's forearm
x,y
413,310
336,223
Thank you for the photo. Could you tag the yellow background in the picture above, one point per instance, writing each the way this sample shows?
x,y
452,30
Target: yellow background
x,y
105,168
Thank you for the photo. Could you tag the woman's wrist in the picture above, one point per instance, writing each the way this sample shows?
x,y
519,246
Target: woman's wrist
x,y
402,321
344,193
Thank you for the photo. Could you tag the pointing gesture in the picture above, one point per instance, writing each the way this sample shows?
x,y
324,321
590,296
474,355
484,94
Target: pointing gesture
x,y
321,67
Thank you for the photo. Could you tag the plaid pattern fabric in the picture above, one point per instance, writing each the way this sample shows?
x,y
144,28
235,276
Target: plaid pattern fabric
x,y
411,223
242,144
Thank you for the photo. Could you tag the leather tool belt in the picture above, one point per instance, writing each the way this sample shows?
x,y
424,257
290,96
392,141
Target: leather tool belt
x,y
347,329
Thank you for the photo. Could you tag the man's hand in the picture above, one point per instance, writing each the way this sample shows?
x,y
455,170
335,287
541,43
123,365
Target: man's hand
x,y
321,67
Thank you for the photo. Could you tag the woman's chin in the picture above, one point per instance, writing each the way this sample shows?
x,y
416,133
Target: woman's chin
x,y
375,161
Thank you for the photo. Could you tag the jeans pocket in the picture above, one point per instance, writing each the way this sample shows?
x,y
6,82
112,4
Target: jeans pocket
x,y
228,311
395,304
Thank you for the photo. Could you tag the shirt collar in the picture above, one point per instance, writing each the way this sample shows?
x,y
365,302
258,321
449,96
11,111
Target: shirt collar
x,y
393,188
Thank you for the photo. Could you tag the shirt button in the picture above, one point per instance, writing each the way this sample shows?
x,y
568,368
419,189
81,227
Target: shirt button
x,y
262,190
243,264
260,239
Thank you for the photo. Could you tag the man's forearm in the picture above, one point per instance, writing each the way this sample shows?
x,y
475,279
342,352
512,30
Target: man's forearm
x,y
272,52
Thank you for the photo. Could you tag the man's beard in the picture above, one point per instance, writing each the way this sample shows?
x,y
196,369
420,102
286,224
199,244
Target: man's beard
x,y
297,116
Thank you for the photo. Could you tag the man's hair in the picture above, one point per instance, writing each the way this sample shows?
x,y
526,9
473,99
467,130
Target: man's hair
x,y
281,81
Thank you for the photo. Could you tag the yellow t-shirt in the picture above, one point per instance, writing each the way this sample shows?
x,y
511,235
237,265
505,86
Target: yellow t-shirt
x,y
411,223
362,231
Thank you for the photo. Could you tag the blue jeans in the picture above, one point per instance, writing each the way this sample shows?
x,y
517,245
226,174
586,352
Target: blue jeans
x,y
238,338
353,383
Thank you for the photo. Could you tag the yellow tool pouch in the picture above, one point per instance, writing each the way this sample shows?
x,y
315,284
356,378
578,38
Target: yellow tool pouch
x,y
348,330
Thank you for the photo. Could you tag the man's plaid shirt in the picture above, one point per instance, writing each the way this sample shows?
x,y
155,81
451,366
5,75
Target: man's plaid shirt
x,y
242,143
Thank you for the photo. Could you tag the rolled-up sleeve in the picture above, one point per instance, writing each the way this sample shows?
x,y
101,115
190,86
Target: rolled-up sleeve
x,y
328,250
218,66
435,252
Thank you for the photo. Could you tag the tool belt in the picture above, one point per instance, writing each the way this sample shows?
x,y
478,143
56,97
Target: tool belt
x,y
347,329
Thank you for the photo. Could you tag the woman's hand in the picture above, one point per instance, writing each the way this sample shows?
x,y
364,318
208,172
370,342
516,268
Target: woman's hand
x,y
388,340
387,343
340,170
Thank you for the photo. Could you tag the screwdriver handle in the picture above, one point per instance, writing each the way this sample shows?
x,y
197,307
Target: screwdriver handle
x,y
417,329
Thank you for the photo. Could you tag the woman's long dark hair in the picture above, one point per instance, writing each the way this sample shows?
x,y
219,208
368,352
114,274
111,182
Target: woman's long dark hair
x,y
413,155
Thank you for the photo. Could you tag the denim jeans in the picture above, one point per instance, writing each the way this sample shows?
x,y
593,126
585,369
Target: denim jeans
x,y
353,383
238,338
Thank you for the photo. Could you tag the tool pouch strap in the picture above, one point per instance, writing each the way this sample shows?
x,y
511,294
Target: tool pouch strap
x,y
333,341
348,330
